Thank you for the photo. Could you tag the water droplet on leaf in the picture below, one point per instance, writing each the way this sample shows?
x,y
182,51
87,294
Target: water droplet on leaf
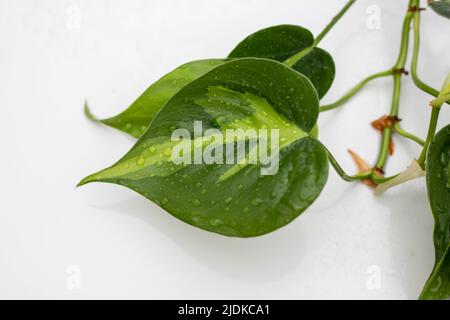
x,y
215,222
257,202
140,161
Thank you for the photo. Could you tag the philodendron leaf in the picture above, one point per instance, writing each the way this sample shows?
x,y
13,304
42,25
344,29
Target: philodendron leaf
x,y
136,118
237,198
283,41
438,185
441,7
275,43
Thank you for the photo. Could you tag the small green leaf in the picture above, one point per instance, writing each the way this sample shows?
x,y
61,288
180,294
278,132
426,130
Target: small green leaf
x,y
275,43
233,199
441,7
138,116
318,66
438,185
283,41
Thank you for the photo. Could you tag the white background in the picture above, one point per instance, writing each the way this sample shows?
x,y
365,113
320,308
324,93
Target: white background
x,y
54,54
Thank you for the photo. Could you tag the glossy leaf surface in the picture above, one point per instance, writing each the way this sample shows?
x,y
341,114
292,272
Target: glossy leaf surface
x,y
231,199
318,66
441,7
275,43
283,41
438,185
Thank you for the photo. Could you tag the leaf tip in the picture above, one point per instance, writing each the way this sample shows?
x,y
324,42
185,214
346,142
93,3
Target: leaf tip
x,y
82,183
88,113
86,180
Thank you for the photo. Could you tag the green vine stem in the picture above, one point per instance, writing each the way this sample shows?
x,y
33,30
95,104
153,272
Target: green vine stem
x,y
412,16
431,131
333,22
355,90
396,72
387,132
440,100
379,180
417,81
398,69
341,172
407,134
296,57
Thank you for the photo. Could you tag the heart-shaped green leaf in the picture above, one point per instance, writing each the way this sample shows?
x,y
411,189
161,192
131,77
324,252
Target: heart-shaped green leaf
x,y
136,118
438,185
275,43
233,199
283,41
441,7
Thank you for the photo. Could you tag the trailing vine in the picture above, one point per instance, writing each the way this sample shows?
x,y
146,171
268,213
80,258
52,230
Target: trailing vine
x,y
265,95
